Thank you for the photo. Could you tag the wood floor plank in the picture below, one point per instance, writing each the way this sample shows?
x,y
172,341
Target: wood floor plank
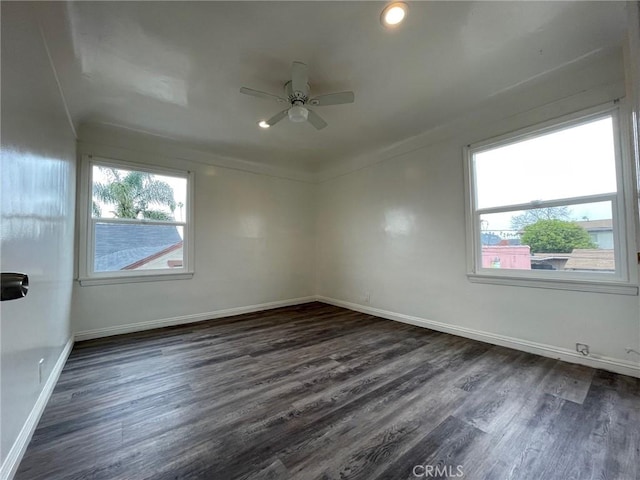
x,y
442,449
316,391
569,381
511,454
510,385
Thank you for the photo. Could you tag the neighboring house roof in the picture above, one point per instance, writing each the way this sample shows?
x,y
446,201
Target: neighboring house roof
x,y
165,256
591,259
541,257
595,225
122,245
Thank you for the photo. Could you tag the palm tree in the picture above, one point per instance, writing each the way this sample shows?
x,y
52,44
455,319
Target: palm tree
x,y
134,194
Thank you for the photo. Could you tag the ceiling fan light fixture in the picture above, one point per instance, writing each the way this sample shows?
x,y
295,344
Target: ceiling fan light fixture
x,y
393,14
298,114
296,92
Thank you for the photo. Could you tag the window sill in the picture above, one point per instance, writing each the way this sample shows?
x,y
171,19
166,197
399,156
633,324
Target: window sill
x,y
88,282
617,288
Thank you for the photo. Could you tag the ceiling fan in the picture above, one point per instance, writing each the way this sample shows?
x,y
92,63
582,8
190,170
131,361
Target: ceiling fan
x,y
296,93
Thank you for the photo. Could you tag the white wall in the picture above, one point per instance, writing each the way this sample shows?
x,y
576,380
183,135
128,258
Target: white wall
x,y
394,229
37,216
254,242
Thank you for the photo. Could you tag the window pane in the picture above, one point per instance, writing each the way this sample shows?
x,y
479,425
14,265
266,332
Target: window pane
x,y
120,193
576,238
137,247
572,162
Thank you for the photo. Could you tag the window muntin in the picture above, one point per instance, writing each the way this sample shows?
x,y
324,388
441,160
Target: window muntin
x,y
137,221
569,173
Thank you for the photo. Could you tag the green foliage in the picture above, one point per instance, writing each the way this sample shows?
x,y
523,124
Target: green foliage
x,y
134,195
518,222
557,236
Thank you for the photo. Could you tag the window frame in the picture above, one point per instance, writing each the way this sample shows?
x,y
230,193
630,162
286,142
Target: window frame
x,y
618,282
86,274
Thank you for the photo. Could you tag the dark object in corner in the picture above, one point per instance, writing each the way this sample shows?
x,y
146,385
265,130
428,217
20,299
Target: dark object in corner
x,y
14,286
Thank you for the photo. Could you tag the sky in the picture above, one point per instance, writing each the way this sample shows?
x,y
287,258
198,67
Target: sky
x,y
576,161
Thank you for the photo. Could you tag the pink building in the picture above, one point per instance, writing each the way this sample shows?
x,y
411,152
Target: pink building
x,y
506,256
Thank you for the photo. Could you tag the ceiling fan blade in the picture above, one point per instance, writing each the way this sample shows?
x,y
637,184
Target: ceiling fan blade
x,y
277,117
316,120
259,94
333,99
299,77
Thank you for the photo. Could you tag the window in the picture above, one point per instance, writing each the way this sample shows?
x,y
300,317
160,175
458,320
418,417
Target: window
x,y
546,204
135,223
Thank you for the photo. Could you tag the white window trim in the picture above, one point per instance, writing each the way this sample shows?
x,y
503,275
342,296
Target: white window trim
x,y
86,275
617,283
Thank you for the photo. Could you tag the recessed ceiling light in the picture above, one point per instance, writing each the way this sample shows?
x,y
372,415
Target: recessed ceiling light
x,y
393,14
263,124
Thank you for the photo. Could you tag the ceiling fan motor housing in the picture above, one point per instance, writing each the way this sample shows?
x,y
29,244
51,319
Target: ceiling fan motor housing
x,y
296,98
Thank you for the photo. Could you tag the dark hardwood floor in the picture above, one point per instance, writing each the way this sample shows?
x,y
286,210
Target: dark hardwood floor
x,y
319,392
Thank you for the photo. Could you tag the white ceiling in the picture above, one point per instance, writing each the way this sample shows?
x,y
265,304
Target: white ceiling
x,y
174,68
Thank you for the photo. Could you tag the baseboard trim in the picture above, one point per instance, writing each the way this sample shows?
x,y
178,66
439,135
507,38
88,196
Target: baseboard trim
x,y
183,319
602,362
11,463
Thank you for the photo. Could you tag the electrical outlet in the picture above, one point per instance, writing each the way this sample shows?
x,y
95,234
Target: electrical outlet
x,y
582,348
367,297
40,364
